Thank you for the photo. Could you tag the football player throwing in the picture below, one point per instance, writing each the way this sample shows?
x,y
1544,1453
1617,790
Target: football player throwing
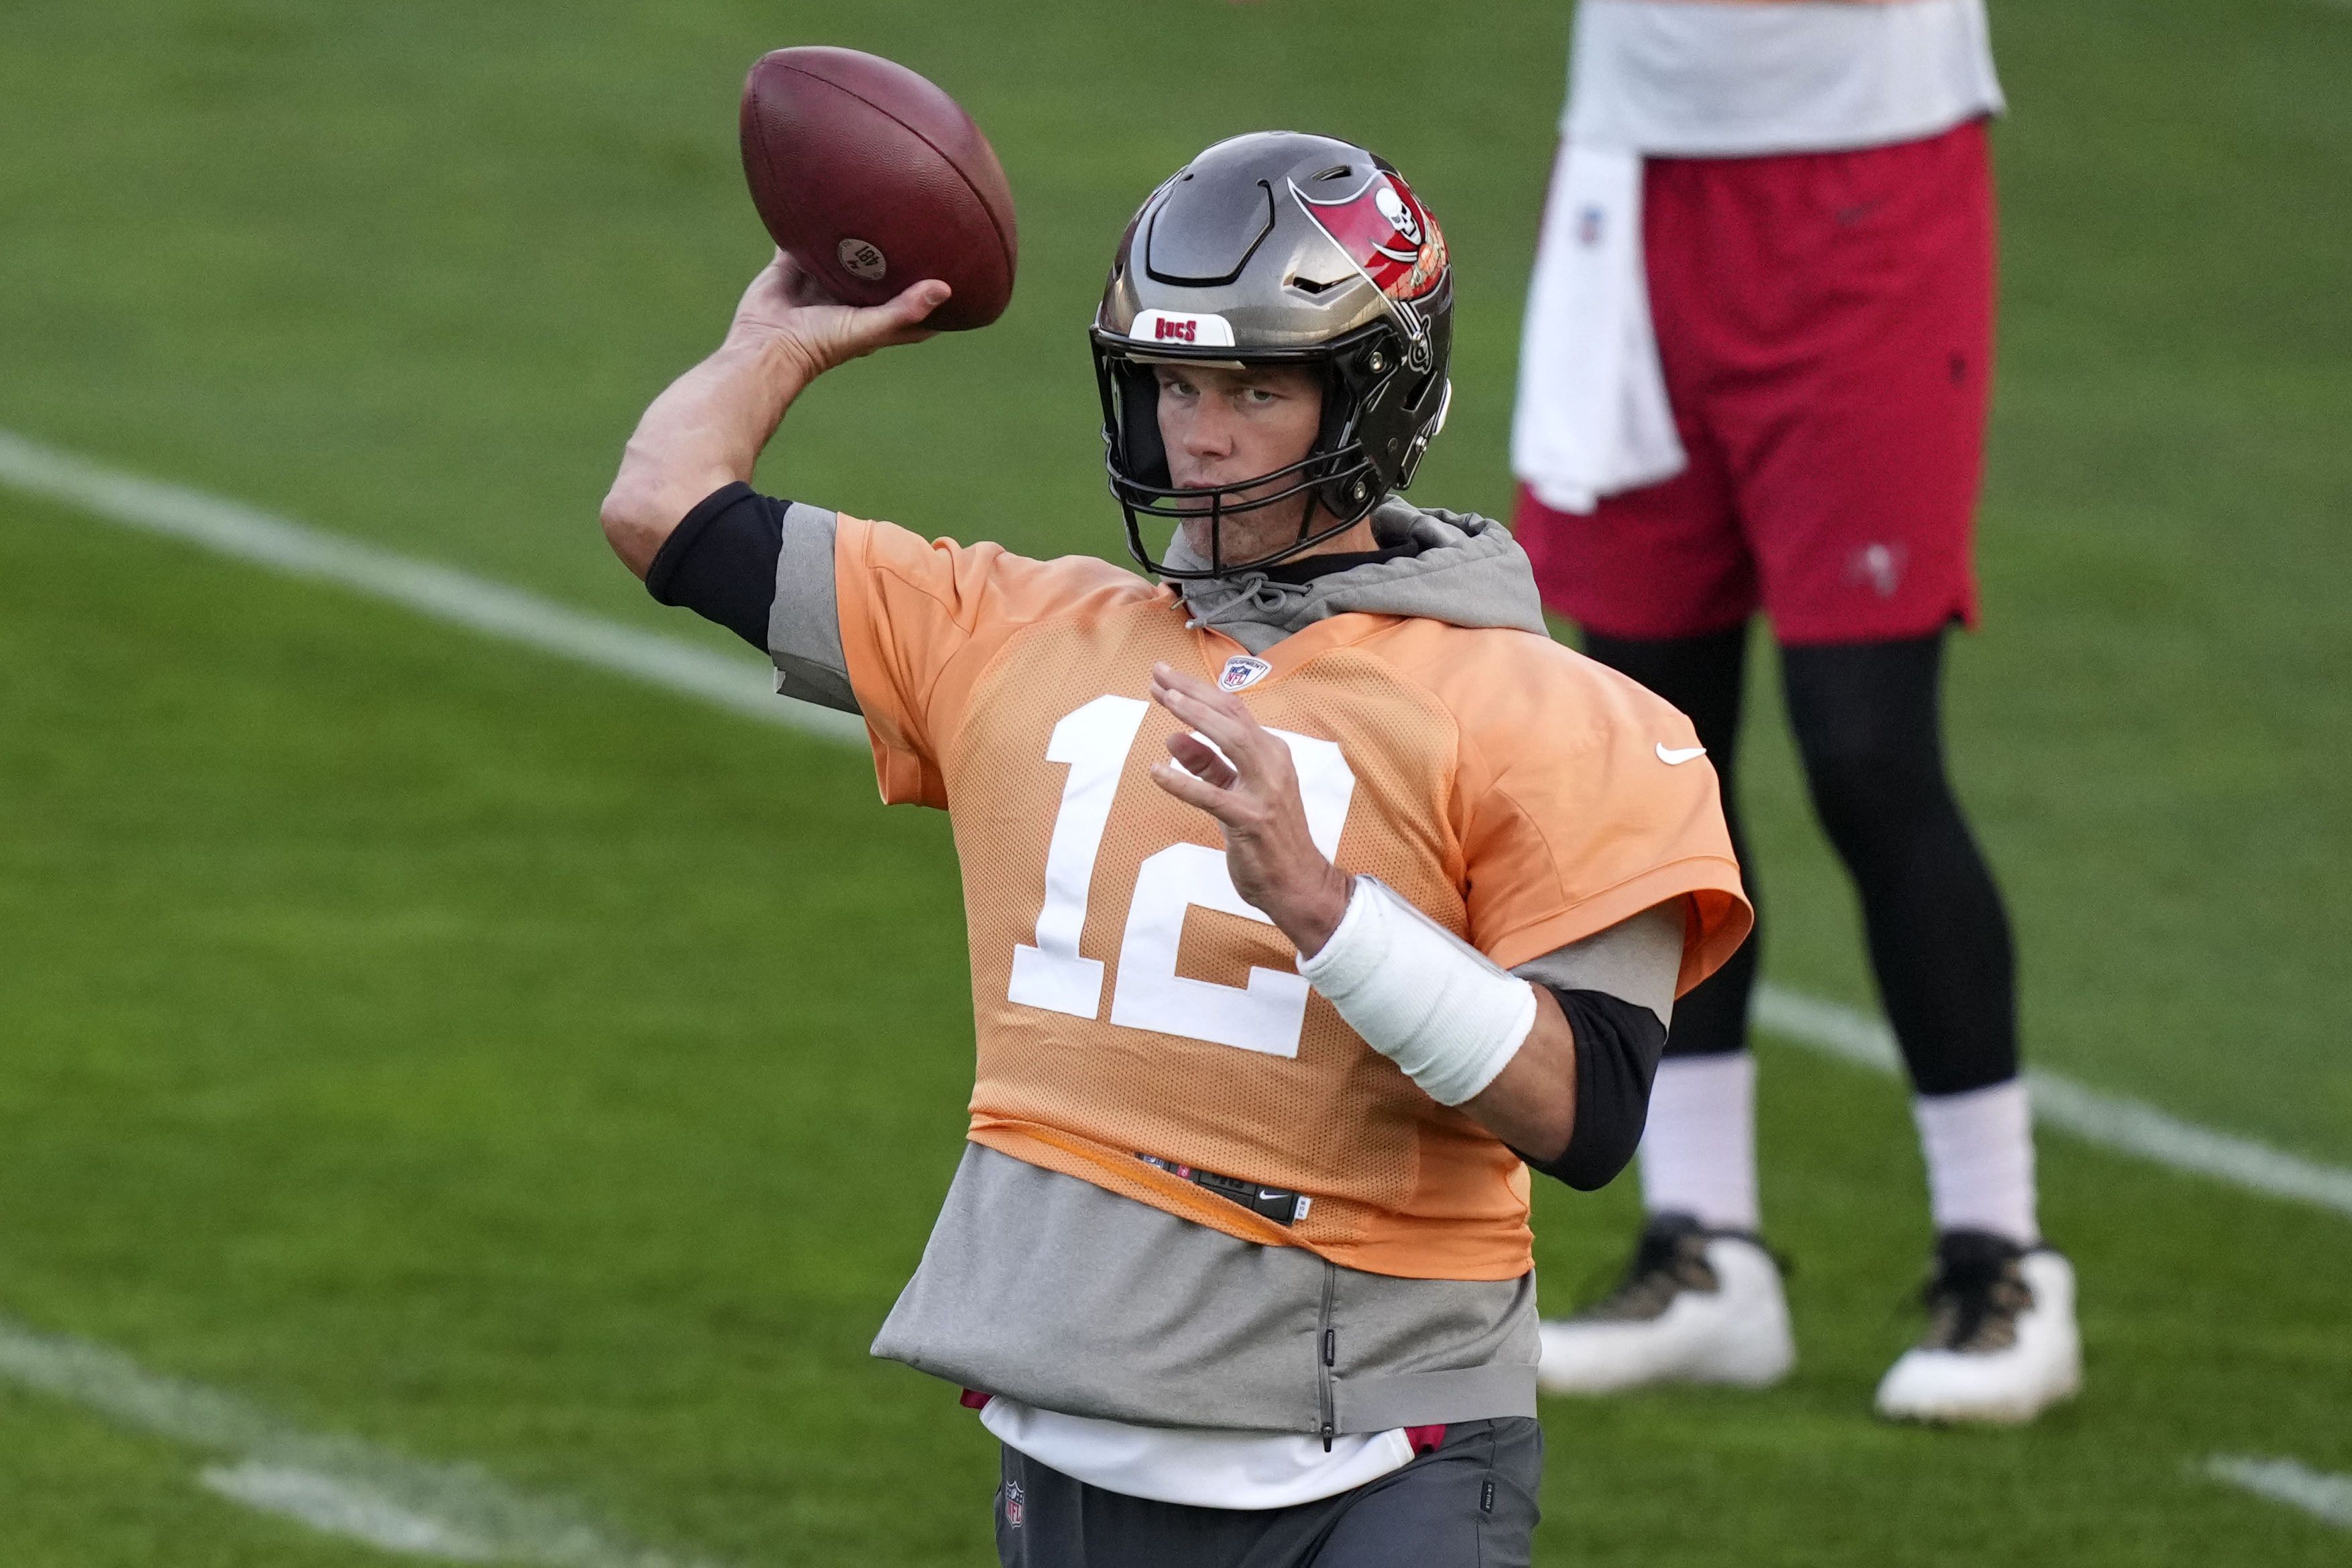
x,y
1313,894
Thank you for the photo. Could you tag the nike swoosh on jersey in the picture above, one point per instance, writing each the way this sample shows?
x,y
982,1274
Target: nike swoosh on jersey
x,y
1676,758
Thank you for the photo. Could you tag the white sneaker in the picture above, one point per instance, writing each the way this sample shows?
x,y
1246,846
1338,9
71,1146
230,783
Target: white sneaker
x,y
2001,1346
1696,1306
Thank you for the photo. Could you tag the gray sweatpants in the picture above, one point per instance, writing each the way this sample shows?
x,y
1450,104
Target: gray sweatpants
x,y
1469,1504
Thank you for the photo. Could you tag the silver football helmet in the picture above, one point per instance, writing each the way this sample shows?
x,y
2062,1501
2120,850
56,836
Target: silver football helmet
x,y
1278,248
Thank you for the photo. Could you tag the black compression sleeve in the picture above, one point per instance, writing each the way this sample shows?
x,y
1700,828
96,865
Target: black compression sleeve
x,y
1618,1044
720,562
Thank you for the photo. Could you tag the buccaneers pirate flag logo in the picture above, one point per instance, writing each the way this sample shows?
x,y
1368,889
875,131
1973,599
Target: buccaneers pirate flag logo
x,y
1385,231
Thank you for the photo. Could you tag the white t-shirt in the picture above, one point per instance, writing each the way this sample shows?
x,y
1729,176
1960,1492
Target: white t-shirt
x,y
1196,1468
1734,77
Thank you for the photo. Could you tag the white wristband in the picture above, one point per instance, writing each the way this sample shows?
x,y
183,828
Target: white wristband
x,y
1420,994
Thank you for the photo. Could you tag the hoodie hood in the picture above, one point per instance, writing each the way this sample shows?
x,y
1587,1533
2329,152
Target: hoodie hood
x,y
1465,570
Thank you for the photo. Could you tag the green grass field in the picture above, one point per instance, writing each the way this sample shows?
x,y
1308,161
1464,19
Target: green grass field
x,y
508,1064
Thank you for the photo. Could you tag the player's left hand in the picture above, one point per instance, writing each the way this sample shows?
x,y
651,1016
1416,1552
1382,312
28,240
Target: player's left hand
x,y
1251,789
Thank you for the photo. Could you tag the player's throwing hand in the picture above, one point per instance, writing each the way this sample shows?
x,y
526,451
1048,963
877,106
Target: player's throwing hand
x,y
789,309
1232,768
708,428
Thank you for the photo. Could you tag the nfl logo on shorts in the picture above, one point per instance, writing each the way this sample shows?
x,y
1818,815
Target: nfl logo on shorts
x,y
1239,671
1013,1510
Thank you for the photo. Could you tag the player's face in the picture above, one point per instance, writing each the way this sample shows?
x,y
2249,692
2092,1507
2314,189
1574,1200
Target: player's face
x,y
1222,426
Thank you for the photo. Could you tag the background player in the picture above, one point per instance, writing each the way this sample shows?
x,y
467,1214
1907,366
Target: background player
x,y
1239,1271
1797,195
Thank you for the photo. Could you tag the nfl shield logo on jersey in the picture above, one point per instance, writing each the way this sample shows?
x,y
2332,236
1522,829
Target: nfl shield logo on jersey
x,y
1239,671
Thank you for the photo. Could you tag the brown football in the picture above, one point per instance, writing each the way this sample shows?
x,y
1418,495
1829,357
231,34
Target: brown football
x,y
872,178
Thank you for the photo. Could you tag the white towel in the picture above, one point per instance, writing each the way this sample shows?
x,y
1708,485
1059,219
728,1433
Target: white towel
x,y
1593,417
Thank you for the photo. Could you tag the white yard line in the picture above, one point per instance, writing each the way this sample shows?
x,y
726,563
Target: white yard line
x,y
230,527
333,1483
2110,1121
335,1507
2317,1493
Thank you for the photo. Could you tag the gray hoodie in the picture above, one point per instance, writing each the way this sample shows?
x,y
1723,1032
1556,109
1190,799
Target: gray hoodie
x,y
1465,570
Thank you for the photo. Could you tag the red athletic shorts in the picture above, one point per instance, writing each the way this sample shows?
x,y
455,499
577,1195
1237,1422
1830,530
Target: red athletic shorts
x,y
1825,323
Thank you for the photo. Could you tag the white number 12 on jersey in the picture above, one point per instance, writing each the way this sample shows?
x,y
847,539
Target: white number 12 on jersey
x,y
1267,1015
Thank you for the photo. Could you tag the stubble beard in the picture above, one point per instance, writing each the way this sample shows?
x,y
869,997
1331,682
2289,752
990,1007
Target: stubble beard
x,y
1250,535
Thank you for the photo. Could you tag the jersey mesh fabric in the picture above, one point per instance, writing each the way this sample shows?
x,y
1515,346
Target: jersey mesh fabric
x,y
966,661
1296,1122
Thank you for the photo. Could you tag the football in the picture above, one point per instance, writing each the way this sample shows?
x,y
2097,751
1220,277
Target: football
x,y
872,178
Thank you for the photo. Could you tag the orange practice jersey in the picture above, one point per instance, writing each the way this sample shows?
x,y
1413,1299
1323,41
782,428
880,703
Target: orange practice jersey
x,y
1127,1002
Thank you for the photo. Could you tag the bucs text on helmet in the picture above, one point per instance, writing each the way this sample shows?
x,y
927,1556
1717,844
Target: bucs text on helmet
x,y
1278,248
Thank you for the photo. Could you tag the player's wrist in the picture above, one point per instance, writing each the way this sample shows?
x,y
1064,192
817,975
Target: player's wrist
x,y
783,360
1310,921
1420,994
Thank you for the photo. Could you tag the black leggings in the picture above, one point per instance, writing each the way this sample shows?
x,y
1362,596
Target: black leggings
x,y
1868,723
